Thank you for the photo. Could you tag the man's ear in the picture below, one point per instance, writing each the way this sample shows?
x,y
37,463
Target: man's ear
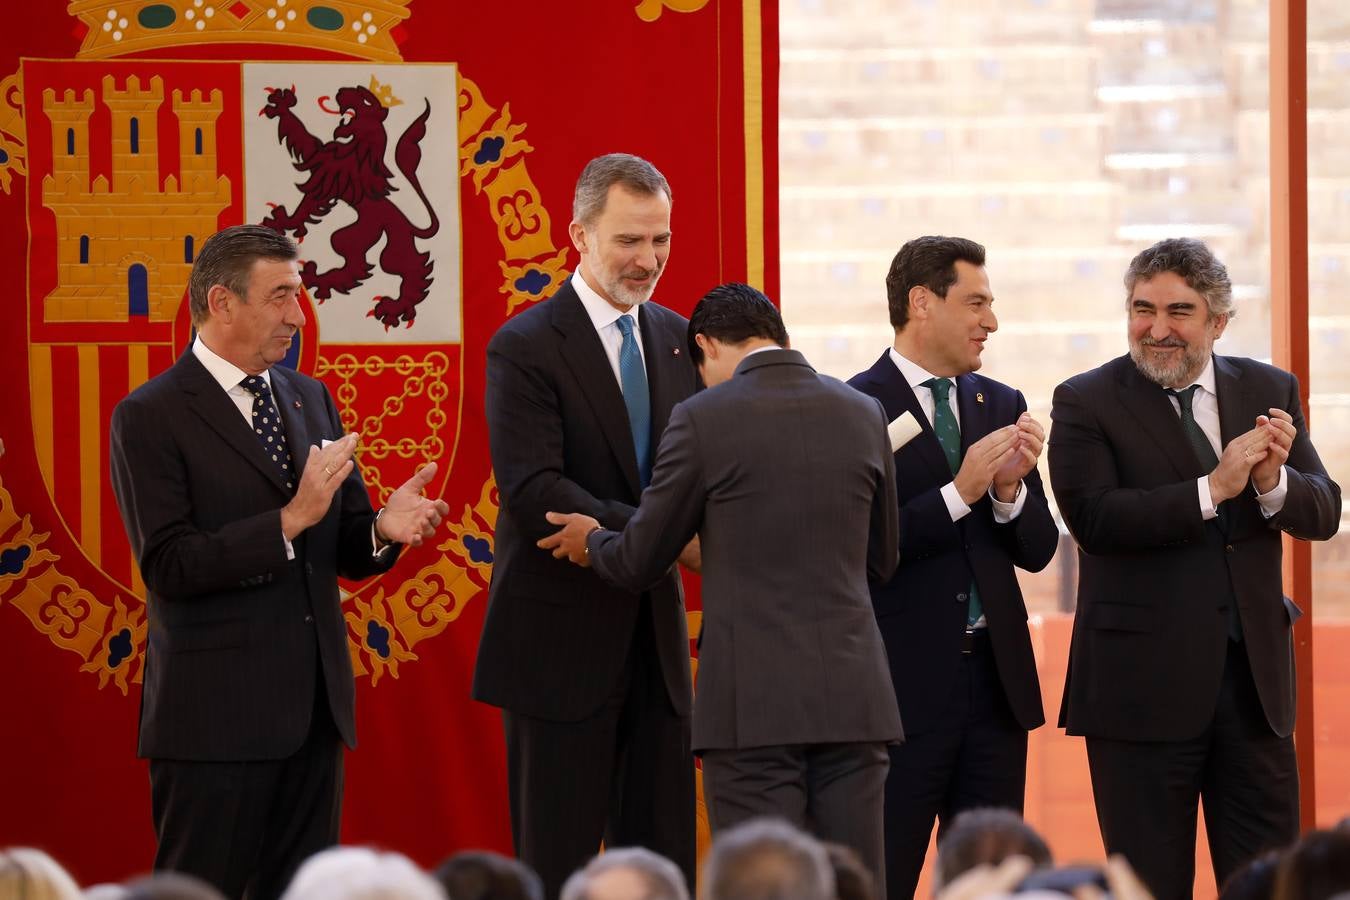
x,y
1220,323
919,297
220,302
708,347
577,232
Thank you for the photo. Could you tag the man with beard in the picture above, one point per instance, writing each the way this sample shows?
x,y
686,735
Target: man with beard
x,y
593,681
1176,470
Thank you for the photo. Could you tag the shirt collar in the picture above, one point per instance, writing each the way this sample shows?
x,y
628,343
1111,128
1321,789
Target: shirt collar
x,y
1206,378
226,373
602,313
914,374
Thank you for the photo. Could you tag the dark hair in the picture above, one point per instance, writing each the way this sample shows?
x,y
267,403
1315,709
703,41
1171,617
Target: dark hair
x,y
1194,262
852,881
987,837
227,258
603,172
1255,880
734,313
483,875
930,262
1318,866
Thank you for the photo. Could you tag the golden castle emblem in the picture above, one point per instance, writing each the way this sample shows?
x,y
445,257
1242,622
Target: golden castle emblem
x,y
360,28
105,271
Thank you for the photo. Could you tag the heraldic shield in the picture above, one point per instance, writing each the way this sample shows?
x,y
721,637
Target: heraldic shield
x,y
132,165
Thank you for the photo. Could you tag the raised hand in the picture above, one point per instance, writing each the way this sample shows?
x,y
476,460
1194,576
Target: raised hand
x,y
409,517
983,460
1243,452
1280,426
324,472
1030,443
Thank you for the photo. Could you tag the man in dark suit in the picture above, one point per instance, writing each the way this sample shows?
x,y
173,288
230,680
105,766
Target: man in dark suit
x,y
593,681
972,511
1176,470
786,477
243,505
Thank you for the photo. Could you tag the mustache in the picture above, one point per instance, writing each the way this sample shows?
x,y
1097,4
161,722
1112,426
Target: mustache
x,y
1170,341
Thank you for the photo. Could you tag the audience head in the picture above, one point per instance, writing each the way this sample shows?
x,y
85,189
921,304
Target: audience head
x,y
1255,880
170,886
1316,868
33,875
852,880
360,873
987,837
626,873
482,875
727,323
766,859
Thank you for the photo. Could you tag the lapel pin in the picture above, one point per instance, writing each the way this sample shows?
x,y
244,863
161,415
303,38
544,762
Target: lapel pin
x,y
297,404
979,398
675,350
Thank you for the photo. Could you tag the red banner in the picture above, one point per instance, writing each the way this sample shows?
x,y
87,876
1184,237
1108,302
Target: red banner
x,y
129,132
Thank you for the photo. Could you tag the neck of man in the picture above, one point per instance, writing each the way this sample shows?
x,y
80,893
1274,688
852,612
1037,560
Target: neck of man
x,y
600,292
219,348
911,346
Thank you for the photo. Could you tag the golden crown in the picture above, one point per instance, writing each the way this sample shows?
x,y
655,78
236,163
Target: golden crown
x,y
367,29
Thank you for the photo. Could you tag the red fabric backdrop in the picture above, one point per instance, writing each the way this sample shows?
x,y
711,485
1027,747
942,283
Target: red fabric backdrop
x,y
689,84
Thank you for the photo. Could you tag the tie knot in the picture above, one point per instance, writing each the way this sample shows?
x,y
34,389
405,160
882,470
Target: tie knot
x,y
1185,396
625,323
255,385
939,387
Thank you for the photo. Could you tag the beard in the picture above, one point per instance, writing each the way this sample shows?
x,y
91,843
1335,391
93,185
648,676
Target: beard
x,y
1179,372
627,293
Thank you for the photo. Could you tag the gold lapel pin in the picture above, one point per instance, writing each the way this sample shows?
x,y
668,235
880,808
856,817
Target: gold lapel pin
x,y
979,398
297,404
675,350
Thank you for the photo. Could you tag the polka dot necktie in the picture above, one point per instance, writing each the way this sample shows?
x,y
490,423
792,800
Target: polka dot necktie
x,y
268,429
949,437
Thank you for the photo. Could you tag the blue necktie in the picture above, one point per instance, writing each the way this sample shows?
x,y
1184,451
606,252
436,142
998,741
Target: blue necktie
x,y
633,379
949,437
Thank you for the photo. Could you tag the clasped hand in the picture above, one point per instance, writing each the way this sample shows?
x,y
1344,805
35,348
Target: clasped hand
x,y
1256,455
1001,459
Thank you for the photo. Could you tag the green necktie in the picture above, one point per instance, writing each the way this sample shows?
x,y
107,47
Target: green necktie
x,y
1204,452
949,437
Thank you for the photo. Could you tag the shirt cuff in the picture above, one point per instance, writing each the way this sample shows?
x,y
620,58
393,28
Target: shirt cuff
x,y
1006,512
1207,509
956,507
1273,500
377,550
290,548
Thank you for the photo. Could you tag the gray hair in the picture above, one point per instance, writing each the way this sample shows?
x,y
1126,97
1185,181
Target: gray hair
x,y
603,172
661,879
360,873
767,859
227,258
1194,262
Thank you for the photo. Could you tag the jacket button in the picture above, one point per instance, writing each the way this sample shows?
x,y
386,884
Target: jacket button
x,y
309,620
1229,548
962,598
309,568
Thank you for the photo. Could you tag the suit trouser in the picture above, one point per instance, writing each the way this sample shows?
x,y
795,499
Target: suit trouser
x,y
833,791
974,755
245,827
625,774
1147,791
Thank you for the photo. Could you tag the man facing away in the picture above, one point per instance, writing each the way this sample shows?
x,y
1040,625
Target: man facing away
x,y
972,511
1177,470
593,680
786,477
243,505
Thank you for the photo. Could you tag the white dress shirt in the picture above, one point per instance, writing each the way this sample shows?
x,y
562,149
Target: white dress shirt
x,y
915,375
1205,408
605,318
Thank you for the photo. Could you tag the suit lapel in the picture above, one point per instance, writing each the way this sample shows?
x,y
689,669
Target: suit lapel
x,y
897,398
585,356
667,369
1153,410
292,411
218,412
1235,406
974,411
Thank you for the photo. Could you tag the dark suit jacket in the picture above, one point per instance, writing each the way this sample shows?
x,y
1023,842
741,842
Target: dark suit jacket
x,y
1150,634
556,637
787,478
922,609
234,626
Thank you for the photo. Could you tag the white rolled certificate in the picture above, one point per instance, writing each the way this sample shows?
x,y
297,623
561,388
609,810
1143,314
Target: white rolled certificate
x,y
903,430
